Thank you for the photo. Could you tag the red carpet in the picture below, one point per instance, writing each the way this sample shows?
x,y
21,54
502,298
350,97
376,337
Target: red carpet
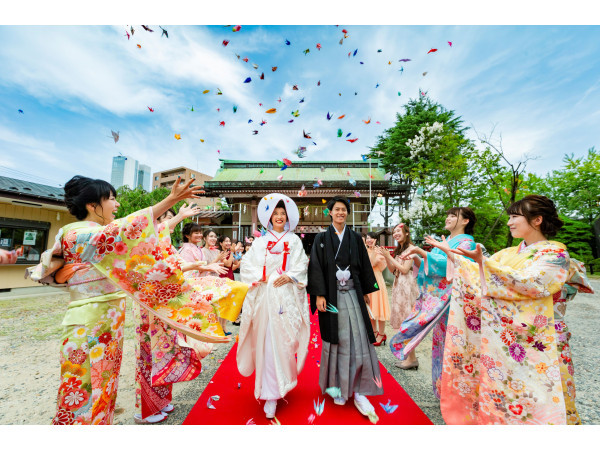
x,y
237,405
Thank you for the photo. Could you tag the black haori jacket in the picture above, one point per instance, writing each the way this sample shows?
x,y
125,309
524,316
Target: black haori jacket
x,y
322,279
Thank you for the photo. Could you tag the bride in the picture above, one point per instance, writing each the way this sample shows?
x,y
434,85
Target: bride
x,y
275,323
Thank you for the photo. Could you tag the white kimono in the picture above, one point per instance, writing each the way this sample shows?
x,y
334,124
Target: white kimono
x,y
275,324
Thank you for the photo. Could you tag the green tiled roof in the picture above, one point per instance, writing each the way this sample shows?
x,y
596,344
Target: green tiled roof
x,y
234,172
32,190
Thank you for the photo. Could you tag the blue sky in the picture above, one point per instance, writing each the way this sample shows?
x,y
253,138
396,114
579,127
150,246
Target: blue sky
x,y
539,86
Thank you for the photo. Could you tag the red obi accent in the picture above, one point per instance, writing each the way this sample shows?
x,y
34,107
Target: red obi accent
x,y
286,252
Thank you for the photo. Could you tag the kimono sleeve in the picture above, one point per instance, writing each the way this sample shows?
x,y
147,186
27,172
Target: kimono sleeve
x,y
543,278
117,238
317,285
298,263
251,266
368,282
434,264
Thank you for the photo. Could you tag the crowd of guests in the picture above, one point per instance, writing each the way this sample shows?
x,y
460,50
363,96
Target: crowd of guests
x,y
501,348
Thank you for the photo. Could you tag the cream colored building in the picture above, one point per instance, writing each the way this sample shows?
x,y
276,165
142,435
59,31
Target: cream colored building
x,y
166,178
30,216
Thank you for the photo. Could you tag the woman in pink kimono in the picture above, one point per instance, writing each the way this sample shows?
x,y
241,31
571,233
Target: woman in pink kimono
x,y
275,323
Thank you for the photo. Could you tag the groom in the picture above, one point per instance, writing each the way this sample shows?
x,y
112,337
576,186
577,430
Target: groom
x,y
339,278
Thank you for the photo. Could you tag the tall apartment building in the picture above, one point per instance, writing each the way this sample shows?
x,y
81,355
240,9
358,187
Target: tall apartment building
x,y
127,171
166,178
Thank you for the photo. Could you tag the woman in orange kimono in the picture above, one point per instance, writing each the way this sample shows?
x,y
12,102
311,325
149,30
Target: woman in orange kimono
x,y
106,259
501,360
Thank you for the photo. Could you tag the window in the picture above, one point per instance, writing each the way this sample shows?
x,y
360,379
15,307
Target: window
x,y
29,238
155,178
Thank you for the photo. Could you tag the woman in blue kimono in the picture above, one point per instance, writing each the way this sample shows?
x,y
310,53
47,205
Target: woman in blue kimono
x,y
431,307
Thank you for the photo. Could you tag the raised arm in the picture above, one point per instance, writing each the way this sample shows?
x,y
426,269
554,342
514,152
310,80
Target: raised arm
x,y
184,212
179,192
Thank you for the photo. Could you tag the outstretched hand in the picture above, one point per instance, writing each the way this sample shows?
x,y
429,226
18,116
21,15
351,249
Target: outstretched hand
x,y
217,267
408,254
188,211
476,255
181,191
443,245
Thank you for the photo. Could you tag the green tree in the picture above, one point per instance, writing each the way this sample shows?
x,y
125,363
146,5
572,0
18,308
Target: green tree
x,y
576,186
577,236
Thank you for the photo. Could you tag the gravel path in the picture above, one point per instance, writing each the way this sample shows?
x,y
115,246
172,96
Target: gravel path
x,y
29,342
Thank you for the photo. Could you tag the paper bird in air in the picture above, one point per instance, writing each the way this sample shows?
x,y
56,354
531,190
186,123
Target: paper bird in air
x,y
352,140
306,135
115,136
225,42
329,116
178,137
222,123
318,46
164,32
147,29
450,43
151,109
287,42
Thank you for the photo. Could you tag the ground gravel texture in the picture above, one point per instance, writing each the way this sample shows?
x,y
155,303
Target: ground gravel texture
x,y
29,342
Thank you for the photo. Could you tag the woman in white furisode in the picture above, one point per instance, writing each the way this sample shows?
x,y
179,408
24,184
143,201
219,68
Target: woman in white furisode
x,y
275,325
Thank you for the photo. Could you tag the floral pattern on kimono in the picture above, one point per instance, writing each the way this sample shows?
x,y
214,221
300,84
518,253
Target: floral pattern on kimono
x,y
125,254
92,338
129,252
501,364
430,309
576,282
163,356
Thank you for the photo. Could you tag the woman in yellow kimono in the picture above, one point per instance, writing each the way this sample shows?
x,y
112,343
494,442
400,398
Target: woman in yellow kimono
x,y
501,362
105,259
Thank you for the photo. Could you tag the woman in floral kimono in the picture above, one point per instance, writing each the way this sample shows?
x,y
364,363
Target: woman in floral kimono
x,y
431,307
163,355
501,360
105,259
275,324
